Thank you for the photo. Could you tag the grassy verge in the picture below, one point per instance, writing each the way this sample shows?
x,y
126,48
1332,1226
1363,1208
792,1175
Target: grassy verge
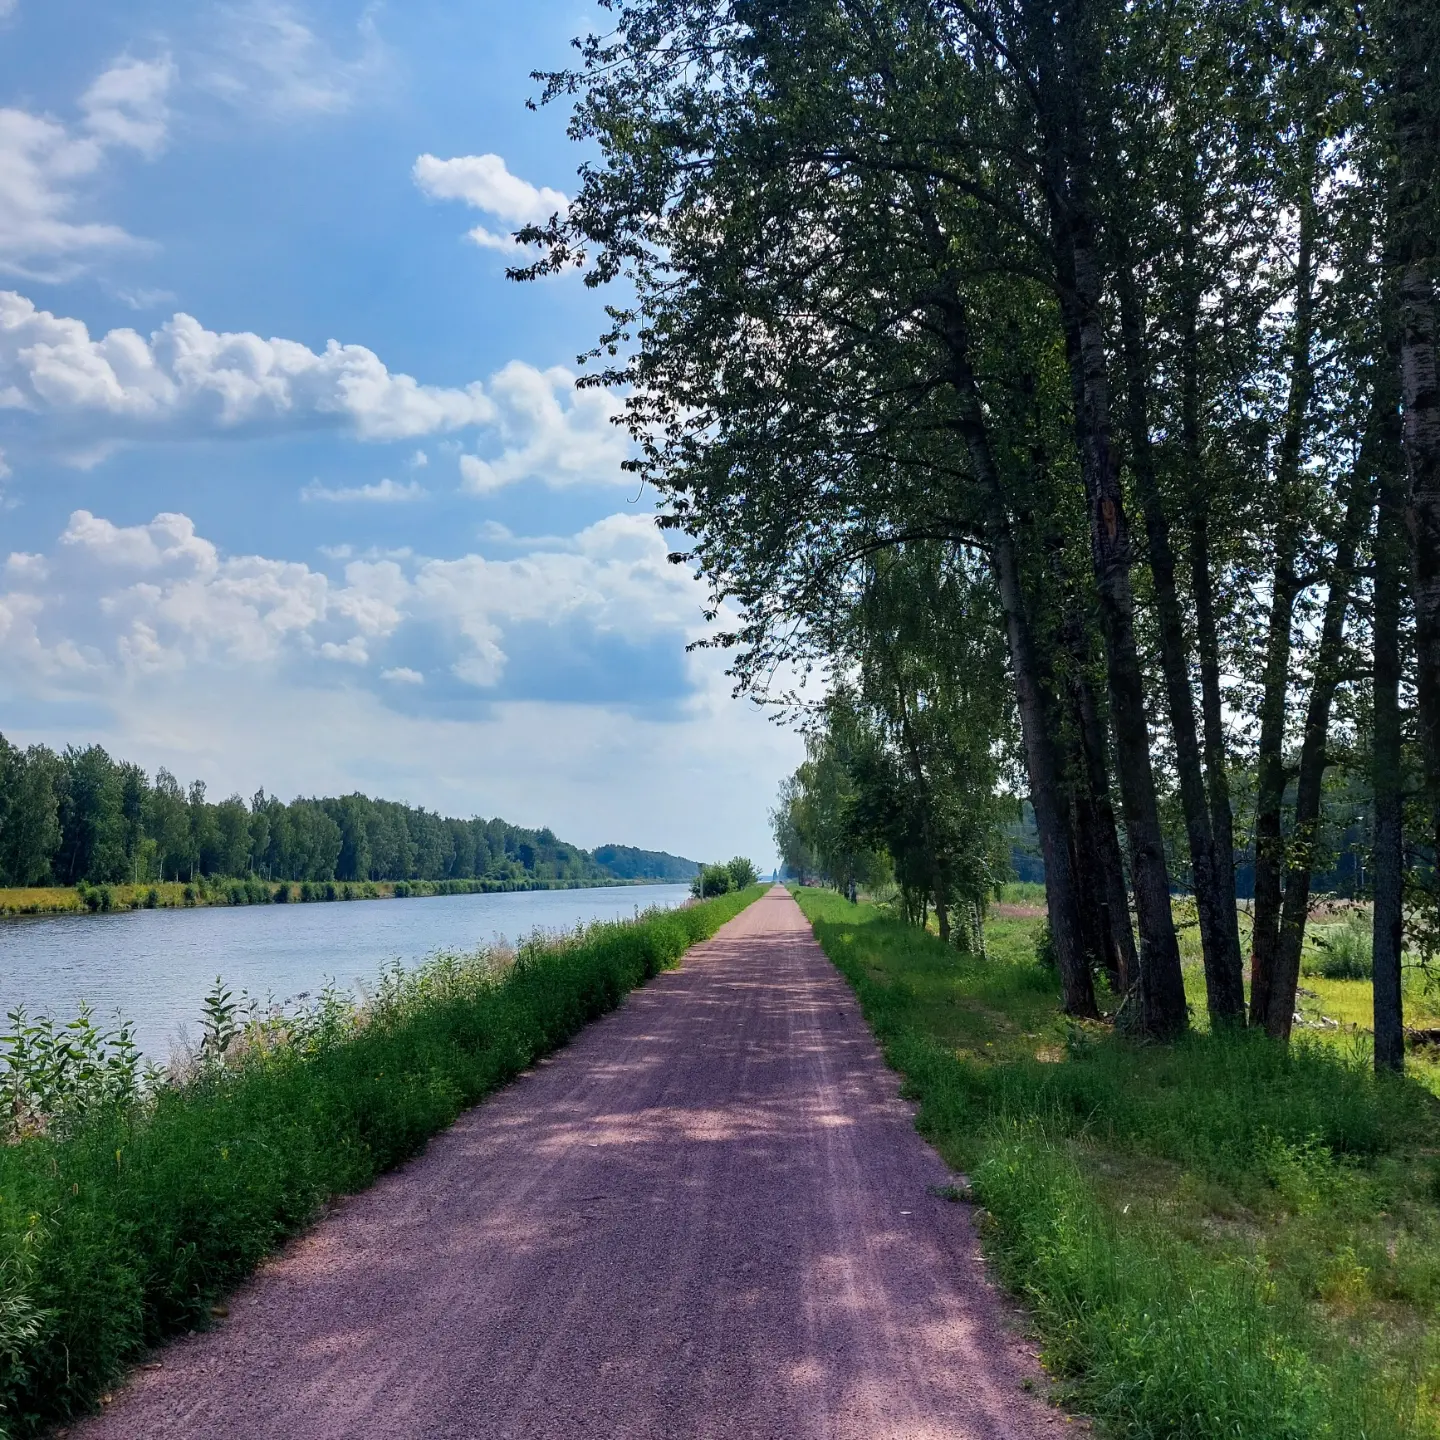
x,y
248,890
1216,1239
125,1226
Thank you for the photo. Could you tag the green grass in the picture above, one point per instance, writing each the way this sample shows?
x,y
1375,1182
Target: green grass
x,y
249,890
128,1227
1021,892
1217,1239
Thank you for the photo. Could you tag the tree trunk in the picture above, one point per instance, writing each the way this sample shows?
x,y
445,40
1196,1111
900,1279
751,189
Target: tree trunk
x,y
1270,775
1202,590
1422,461
922,790
1219,933
1300,853
1162,987
1110,899
1388,857
1042,760
1415,44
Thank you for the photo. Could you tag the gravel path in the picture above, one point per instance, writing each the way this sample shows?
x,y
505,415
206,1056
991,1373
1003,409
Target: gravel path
x,y
709,1216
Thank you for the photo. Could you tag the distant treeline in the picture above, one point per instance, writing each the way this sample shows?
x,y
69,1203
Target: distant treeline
x,y
81,816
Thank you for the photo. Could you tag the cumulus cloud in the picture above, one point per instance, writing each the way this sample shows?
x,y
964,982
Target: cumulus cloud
x,y
184,378
44,165
548,430
384,492
112,601
271,60
88,394
485,183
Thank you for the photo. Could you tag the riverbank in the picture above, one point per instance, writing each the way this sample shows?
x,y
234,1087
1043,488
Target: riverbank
x,y
125,1215
218,890
1216,1238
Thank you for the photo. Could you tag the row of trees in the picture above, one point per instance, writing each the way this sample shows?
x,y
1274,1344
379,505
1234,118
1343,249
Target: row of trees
x,y
81,816
1124,312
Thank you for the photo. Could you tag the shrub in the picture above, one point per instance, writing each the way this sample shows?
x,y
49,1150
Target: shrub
x,y
712,880
1346,950
152,898
743,873
282,893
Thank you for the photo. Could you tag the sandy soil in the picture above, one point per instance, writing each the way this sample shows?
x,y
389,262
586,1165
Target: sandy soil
x,y
709,1216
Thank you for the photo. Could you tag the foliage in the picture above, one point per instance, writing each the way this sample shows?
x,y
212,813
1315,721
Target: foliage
x,y
81,818
1098,306
1221,1238
124,1223
1343,952
738,874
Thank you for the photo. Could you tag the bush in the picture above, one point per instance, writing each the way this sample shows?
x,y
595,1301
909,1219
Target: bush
x,y
743,873
282,893
125,1224
714,880
1345,951
152,898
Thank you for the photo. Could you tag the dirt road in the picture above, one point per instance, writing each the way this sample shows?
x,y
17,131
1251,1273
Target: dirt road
x,y
710,1216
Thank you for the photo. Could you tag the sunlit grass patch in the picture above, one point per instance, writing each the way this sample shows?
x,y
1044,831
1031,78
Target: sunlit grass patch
x,y
1219,1238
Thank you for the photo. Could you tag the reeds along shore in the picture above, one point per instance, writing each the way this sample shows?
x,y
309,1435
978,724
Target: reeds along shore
x,y
130,1207
249,890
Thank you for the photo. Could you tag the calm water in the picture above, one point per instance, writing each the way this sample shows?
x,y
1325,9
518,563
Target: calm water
x,y
155,966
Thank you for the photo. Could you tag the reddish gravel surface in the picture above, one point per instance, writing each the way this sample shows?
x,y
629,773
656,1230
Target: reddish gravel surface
x,y
709,1216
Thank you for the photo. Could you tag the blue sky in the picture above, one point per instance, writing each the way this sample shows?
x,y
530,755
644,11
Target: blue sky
x,y
296,489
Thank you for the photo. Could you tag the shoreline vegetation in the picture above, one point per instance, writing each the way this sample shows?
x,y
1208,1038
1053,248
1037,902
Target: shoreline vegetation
x,y
131,1202
211,890
1215,1238
79,820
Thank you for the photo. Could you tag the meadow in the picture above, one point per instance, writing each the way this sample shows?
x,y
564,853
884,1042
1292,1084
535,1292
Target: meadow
x,y
1219,1238
130,1203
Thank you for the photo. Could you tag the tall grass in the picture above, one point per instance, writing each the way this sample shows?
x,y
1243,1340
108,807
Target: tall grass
x,y
1223,1238
251,890
124,1225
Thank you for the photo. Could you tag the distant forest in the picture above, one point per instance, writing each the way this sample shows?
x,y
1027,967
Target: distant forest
x,y
82,816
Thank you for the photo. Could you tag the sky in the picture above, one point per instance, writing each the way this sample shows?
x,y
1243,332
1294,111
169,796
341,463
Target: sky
x,y
296,488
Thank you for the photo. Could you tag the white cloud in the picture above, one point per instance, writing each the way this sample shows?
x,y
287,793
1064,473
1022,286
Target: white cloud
x,y
270,60
126,105
44,163
484,182
383,492
114,600
96,392
403,675
550,431
419,460
186,378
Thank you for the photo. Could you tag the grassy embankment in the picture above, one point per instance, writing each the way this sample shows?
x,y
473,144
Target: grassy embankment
x,y
1215,1239
126,1224
218,890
